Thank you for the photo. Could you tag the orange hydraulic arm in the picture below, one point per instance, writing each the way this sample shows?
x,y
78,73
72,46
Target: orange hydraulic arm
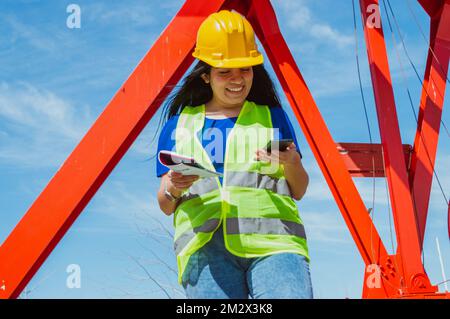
x,y
69,191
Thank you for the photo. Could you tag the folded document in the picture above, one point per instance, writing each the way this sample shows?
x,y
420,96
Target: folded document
x,y
184,165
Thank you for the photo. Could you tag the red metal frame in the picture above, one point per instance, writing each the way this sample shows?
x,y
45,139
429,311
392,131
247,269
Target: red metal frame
x,y
366,160
430,112
414,279
402,274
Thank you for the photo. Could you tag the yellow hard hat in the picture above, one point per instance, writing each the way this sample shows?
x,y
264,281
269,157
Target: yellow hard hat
x,y
227,40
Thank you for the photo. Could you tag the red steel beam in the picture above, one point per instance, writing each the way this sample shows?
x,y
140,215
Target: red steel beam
x,y
430,113
366,160
415,279
431,7
84,171
368,242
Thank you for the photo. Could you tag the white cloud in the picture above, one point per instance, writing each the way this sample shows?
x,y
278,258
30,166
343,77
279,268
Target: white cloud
x,y
327,33
129,200
22,31
299,13
325,226
301,20
325,51
40,128
38,109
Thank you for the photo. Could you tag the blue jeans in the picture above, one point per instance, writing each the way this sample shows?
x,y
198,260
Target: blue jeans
x,y
214,273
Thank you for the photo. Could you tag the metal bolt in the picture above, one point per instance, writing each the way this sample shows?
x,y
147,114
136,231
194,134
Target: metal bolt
x,y
419,281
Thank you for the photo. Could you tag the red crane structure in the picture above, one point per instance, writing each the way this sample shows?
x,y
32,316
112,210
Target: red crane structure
x,y
408,169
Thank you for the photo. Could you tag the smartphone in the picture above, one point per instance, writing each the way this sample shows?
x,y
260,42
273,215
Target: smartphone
x,y
281,145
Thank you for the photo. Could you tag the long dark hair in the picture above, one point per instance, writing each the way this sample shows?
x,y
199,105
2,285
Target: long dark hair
x,y
194,91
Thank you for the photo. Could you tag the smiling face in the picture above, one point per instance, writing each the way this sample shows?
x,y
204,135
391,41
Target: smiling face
x,y
230,86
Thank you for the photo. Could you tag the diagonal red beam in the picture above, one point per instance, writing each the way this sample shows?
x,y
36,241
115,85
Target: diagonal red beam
x,y
263,19
431,7
430,113
415,279
76,182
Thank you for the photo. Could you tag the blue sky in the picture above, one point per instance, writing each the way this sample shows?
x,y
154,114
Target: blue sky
x,y
55,82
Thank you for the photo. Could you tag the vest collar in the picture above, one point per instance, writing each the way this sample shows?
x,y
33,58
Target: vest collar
x,y
246,107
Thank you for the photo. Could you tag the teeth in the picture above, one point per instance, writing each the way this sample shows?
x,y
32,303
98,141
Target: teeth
x,y
236,90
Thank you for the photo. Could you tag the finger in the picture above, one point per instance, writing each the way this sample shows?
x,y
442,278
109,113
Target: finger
x,y
183,180
176,174
262,154
273,154
275,158
283,157
183,185
191,177
265,158
179,177
261,151
187,180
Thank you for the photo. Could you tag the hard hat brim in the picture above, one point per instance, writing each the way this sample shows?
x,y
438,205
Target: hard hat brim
x,y
233,63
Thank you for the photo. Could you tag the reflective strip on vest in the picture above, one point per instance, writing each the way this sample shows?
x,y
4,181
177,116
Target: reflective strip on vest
x,y
200,187
264,226
236,226
209,226
258,180
242,179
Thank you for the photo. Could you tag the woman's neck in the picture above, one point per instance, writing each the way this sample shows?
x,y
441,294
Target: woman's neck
x,y
216,111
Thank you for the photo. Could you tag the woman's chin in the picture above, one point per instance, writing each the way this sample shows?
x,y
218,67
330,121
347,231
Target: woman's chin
x,y
235,99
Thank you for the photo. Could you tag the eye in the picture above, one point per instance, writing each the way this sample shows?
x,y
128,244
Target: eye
x,y
245,70
224,72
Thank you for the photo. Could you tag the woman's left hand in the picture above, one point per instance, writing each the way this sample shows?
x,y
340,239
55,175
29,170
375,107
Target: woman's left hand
x,y
288,157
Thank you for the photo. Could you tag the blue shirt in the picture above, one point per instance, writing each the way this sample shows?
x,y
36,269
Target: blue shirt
x,y
214,147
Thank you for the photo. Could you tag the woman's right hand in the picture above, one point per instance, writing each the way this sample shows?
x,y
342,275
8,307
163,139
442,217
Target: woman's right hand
x,y
178,182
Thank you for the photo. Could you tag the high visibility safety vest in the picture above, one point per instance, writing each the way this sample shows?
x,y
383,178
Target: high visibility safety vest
x,y
254,204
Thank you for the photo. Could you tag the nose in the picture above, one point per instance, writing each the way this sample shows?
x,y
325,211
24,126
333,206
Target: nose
x,y
236,77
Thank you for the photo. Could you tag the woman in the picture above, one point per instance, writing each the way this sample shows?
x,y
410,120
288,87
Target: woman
x,y
239,235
